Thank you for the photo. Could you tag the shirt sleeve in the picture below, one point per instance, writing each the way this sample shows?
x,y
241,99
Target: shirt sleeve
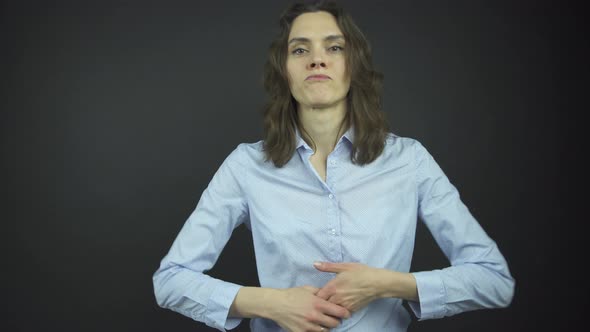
x,y
478,276
180,283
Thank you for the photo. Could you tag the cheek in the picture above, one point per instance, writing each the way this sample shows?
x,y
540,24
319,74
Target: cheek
x,y
342,70
291,69
291,76
345,80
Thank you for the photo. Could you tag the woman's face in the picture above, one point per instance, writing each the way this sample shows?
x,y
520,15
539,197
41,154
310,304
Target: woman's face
x,y
316,63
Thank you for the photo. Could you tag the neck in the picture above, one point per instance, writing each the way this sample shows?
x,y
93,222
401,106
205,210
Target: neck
x,y
324,126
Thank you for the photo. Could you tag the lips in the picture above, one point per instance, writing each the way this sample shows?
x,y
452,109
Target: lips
x,y
318,78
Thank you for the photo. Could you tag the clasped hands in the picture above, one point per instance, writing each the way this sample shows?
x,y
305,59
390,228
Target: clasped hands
x,y
318,309
354,286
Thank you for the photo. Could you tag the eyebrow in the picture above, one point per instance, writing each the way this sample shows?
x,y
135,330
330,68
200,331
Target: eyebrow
x,y
307,40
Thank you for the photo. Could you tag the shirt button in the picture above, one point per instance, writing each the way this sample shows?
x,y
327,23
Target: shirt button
x,y
332,162
331,196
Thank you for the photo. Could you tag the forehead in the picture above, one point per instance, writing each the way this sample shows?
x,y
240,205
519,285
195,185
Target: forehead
x,y
318,24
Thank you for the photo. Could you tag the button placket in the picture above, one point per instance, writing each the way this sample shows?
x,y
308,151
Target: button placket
x,y
332,229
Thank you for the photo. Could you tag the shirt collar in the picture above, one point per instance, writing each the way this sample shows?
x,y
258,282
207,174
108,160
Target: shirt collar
x,y
300,142
349,134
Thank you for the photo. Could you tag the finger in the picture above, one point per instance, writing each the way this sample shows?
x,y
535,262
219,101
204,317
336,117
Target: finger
x,y
327,322
311,289
332,267
332,299
333,310
325,292
335,299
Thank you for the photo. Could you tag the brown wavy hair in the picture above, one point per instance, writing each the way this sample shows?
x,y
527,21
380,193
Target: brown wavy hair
x,y
363,98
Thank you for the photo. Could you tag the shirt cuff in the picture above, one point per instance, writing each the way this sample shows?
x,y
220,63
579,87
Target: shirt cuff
x,y
431,294
218,307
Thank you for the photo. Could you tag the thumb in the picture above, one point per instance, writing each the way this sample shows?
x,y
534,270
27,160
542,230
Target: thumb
x,y
331,267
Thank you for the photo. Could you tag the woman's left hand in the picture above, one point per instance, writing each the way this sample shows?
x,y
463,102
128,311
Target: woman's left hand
x,y
354,286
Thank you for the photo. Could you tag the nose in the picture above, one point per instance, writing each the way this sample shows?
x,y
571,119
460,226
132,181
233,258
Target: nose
x,y
317,62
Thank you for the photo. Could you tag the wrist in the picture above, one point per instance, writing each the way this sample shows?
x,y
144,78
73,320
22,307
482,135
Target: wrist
x,y
255,302
393,284
270,302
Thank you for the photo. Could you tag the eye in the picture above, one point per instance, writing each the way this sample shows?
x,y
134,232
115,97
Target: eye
x,y
336,48
298,51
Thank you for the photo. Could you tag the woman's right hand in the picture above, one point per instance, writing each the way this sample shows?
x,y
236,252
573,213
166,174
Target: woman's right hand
x,y
300,310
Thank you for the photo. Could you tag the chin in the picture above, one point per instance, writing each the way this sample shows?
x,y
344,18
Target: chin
x,y
322,102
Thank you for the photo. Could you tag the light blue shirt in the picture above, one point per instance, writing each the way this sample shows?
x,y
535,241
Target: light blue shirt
x,y
365,214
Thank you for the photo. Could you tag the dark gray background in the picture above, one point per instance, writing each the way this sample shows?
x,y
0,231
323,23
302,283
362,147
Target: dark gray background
x,y
115,115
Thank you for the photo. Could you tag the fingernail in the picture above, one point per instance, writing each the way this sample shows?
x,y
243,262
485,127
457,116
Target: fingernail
x,y
317,264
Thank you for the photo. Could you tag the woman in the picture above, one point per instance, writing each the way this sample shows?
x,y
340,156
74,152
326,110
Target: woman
x,y
332,201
